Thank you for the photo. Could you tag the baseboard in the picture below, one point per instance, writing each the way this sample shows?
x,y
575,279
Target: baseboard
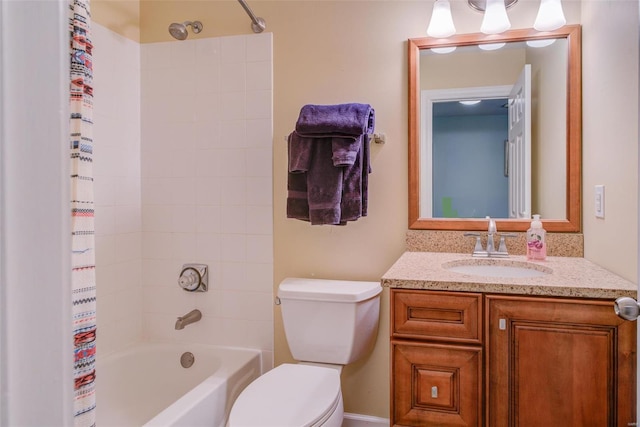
x,y
357,420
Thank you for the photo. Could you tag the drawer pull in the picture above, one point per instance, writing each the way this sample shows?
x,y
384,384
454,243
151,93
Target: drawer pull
x,y
434,392
502,324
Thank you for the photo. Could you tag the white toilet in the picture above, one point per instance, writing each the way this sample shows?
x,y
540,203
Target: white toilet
x,y
328,324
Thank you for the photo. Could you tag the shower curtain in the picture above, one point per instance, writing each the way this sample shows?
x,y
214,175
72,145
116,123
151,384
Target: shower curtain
x,y
82,225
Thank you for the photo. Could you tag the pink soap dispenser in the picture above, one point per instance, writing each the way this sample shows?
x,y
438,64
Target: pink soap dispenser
x,y
536,240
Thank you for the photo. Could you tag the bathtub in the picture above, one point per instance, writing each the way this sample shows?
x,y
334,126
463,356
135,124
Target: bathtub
x,y
147,385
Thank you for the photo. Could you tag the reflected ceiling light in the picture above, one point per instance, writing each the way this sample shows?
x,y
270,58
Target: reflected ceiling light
x,y
441,24
491,46
540,43
470,102
550,16
495,21
447,49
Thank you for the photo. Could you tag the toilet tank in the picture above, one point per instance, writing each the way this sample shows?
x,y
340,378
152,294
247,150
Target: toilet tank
x,y
329,321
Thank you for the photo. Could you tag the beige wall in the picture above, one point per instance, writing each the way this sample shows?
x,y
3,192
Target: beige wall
x,y
342,51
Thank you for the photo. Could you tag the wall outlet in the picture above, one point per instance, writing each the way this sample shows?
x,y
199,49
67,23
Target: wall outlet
x,y
599,201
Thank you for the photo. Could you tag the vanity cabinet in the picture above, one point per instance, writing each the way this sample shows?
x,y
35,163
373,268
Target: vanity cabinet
x,y
474,359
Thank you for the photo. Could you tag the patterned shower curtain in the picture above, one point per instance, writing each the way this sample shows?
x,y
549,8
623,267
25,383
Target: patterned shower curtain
x,y
83,280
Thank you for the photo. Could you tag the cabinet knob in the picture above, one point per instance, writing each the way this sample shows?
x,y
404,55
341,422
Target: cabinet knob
x,y
626,308
434,392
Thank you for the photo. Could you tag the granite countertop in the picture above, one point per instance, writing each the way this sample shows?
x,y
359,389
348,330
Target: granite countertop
x,y
569,277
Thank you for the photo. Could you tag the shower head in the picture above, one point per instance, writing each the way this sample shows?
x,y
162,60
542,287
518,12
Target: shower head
x,y
179,31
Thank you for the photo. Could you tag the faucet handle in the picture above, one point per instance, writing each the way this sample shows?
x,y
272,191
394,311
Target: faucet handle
x,y
502,247
478,248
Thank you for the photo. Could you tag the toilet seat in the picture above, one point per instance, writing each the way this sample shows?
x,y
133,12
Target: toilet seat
x,y
288,396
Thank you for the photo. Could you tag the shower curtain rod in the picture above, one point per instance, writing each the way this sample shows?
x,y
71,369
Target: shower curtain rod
x,y
257,24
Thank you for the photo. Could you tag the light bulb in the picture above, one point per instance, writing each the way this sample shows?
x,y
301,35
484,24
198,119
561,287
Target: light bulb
x,y
495,19
550,16
441,24
491,46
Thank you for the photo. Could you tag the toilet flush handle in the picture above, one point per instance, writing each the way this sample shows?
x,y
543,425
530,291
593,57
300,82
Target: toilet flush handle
x,y
277,301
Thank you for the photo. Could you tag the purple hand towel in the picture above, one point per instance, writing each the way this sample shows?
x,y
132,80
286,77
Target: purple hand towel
x,y
346,119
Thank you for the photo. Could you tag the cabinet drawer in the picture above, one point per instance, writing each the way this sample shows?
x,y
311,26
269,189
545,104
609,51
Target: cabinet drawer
x,y
441,316
436,384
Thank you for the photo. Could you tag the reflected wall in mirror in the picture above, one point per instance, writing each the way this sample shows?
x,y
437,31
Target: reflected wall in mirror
x,y
518,153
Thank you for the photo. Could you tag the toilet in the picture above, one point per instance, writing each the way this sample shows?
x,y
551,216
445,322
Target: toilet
x,y
328,324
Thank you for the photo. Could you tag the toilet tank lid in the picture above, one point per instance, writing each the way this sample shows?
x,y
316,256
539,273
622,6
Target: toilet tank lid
x,y
327,290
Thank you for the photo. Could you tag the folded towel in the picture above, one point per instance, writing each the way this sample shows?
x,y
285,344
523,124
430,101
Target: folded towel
x,y
346,119
329,164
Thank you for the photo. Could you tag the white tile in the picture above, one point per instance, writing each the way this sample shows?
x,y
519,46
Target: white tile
x,y
259,47
235,332
128,219
128,246
259,162
168,300
208,190
105,250
183,52
210,303
184,219
159,273
183,190
184,246
128,190
260,334
233,247
157,218
155,55
127,275
208,163
207,80
206,133
208,52
156,191
259,220
233,162
208,219
259,191
156,245
233,105
233,191
233,134
259,248
259,277
246,305
233,219
233,49
259,104
208,107
259,76
233,77
234,275
208,246
105,220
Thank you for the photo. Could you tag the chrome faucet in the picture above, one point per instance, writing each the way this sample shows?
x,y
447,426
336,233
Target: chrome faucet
x,y
490,251
191,317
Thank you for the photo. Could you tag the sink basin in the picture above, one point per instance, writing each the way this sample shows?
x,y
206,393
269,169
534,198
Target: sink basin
x,y
497,268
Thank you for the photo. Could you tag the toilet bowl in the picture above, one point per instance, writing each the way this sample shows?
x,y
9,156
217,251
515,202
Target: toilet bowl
x,y
328,324
291,396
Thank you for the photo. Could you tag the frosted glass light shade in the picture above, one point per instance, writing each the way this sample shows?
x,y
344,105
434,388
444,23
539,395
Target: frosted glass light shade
x,y
441,24
495,19
550,16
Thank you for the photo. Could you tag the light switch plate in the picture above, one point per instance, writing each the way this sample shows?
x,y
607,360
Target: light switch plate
x,y
599,201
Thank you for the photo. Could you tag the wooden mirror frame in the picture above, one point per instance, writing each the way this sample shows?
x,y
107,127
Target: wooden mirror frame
x,y
574,131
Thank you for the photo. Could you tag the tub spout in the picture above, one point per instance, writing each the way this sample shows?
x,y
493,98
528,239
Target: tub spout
x,y
189,318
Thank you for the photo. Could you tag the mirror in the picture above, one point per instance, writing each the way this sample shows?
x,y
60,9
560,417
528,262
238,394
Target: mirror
x,y
446,188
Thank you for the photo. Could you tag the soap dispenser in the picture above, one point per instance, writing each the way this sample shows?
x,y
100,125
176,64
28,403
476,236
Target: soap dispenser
x,y
536,240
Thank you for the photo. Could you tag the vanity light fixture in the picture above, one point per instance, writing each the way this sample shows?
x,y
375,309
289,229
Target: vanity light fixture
x,y
491,46
441,24
495,21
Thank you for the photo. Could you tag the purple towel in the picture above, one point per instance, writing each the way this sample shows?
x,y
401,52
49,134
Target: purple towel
x,y
329,164
346,119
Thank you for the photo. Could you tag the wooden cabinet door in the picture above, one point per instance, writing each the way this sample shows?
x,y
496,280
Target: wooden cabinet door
x,y
558,362
436,385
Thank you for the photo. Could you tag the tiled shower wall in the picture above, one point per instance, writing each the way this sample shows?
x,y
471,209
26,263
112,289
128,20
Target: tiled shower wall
x,y
183,174
206,187
116,132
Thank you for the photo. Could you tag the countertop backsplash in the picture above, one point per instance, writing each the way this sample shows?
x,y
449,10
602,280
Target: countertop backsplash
x,y
558,244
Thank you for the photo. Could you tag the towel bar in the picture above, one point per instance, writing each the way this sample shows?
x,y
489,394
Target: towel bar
x,y
378,138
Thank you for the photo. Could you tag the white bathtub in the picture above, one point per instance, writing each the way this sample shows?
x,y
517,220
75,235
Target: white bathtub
x,y
146,385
